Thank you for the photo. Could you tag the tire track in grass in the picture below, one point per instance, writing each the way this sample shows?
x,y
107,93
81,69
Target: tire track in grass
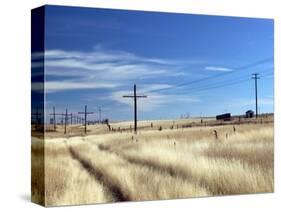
x,y
160,168
113,189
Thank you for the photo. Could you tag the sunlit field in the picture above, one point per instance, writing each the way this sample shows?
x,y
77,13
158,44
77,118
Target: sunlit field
x,y
174,162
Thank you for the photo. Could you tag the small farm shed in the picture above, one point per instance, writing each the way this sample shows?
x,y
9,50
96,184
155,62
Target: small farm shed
x,y
249,114
224,117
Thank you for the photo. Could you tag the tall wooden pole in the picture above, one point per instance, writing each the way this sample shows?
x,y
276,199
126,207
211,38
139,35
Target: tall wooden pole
x,y
85,113
65,121
135,105
135,96
255,77
54,118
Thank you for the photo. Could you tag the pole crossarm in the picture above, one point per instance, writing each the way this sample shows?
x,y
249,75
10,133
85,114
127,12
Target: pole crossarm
x,y
128,96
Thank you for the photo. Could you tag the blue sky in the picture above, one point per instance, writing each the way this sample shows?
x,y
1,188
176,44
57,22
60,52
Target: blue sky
x,y
94,56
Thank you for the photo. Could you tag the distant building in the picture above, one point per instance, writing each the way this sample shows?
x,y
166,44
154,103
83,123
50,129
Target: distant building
x,y
224,117
249,114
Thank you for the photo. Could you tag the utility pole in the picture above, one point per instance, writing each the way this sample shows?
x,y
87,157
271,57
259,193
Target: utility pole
x,y
37,115
65,120
54,118
255,77
78,120
99,114
38,118
85,113
135,96
73,118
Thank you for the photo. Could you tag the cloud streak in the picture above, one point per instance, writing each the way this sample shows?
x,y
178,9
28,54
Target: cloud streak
x,y
68,85
93,70
218,68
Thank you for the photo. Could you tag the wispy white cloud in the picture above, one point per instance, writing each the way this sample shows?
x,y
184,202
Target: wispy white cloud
x,y
113,71
91,70
218,68
153,87
101,55
55,86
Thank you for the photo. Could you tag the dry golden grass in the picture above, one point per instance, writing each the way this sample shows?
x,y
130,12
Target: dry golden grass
x,y
135,182
154,164
66,181
37,171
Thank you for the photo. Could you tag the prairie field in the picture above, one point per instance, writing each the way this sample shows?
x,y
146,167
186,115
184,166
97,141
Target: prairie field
x,y
154,164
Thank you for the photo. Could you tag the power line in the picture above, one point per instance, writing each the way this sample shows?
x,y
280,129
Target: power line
x,y
267,75
218,75
225,83
219,85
